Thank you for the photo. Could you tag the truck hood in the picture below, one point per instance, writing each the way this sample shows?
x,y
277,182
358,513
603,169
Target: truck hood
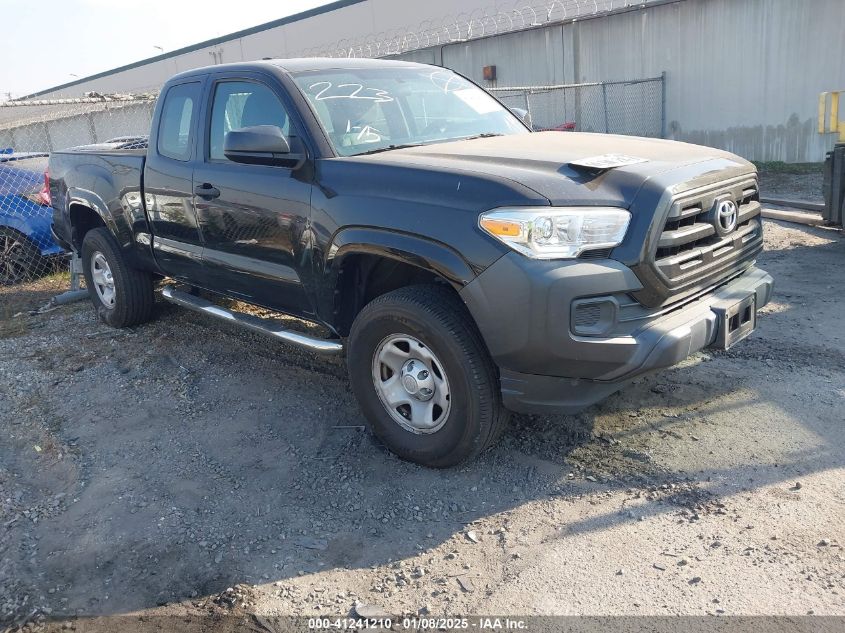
x,y
542,161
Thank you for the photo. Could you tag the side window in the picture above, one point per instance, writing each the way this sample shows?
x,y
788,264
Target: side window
x,y
177,121
239,104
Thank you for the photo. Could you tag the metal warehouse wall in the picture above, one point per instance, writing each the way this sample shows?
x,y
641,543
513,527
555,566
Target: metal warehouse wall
x,y
743,75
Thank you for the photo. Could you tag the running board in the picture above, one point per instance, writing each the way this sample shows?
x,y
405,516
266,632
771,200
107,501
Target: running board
x,y
263,326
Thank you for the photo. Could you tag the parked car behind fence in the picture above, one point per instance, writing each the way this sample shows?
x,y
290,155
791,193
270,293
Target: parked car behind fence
x,y
27,248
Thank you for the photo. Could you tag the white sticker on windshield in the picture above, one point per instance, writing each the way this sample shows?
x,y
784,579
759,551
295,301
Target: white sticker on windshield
x,y
608,161
477,100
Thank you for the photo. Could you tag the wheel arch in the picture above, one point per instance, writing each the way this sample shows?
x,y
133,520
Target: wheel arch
x,y
87,210
365,263
411,249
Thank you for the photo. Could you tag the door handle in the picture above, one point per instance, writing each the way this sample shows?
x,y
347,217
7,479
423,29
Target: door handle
x,y
207,190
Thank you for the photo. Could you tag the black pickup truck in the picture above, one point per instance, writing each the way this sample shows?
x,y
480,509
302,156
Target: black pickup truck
x,y
465,265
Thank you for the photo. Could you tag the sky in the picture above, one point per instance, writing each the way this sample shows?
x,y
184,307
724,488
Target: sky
x,y
51,42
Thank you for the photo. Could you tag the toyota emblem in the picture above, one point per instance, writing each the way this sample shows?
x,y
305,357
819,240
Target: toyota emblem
x,y
726,217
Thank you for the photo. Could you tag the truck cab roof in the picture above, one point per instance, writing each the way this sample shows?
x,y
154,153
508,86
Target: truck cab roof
x,y
296,65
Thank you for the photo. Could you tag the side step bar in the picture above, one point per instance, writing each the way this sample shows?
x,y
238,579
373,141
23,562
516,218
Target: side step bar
x,y
263,326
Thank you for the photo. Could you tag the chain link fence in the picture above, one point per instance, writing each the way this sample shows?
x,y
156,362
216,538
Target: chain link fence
x,y
633,107
29,131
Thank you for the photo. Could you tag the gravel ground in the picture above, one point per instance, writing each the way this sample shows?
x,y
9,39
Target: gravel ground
x,y
180,469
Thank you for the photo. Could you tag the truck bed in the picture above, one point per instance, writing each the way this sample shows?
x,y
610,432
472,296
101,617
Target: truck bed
x,y
103,178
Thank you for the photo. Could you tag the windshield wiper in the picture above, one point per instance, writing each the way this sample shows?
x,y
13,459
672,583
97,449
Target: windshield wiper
x,y
445,140
484,135
388,148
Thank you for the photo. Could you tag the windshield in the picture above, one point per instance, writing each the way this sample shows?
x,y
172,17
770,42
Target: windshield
x,y
368,110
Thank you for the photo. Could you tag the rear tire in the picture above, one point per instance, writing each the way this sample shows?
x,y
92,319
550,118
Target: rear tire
x,y
423,377
122,296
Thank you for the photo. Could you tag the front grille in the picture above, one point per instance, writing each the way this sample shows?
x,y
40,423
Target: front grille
x,y
689,242
689,252
600,253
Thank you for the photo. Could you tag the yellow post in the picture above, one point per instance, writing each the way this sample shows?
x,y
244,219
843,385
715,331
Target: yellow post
x,y
822,112
831,124
839,122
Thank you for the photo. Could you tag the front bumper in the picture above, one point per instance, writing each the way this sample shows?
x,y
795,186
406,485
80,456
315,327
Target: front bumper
x,y
544,368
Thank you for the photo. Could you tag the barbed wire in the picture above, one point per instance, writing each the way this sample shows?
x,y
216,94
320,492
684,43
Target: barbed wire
x,y
88,97
502,18
26,112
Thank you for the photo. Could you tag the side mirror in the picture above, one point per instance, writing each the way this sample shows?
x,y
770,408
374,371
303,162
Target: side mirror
x,y
260,145
523,115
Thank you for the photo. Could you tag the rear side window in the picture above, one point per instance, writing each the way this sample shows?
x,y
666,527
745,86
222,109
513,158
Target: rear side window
x,y
177,121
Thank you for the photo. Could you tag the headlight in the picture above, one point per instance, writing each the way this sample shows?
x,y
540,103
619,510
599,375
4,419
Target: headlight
x,y
556,232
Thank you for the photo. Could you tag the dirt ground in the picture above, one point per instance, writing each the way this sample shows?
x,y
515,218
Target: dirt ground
x,y
181,470
796,184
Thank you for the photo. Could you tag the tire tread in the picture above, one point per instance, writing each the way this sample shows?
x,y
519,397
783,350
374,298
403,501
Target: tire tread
x,y
135,287
441,305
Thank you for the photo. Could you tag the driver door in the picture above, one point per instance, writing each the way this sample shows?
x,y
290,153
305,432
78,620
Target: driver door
x,y
252,217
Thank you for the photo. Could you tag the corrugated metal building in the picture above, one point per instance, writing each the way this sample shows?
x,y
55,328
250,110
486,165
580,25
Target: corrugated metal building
x,y
744,75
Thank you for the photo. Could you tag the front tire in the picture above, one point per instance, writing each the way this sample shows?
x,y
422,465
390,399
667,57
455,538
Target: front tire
x,y
423,377
122,296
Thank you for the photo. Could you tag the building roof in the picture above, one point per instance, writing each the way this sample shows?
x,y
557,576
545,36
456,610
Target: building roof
x,y
339,4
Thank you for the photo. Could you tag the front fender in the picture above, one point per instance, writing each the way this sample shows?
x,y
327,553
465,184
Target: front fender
x,y
410,249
